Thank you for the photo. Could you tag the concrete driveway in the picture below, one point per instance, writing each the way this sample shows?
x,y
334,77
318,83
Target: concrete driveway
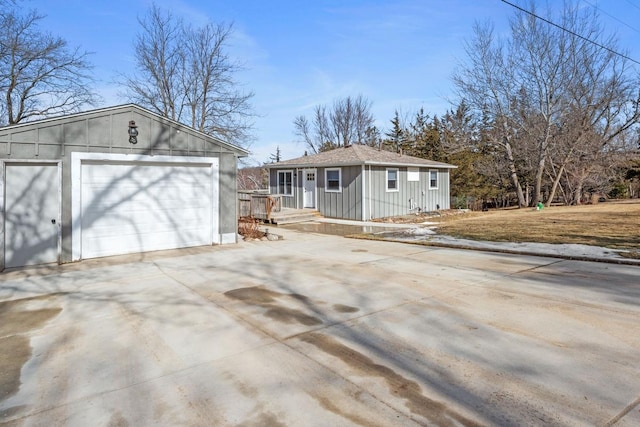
x,y
320,330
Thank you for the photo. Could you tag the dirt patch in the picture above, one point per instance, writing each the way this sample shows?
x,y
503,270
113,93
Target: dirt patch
x,y
340,308
291,315
334,229
15,351
18,317
263,419
269,300
254,295
16,322
329,405
404,388
420,217
117,420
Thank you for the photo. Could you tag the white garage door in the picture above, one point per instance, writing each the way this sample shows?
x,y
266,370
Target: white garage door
x,y
129,207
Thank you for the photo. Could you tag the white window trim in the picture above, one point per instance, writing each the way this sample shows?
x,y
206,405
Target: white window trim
x,y
437,179
326,180
393,190
278,182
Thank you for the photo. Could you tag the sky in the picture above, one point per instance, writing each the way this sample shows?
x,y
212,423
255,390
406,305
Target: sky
x,y
297,54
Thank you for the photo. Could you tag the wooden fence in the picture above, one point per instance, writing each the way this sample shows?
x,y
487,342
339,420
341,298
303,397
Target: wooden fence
x,y
257,205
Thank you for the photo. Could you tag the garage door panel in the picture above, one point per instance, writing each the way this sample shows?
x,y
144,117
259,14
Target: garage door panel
x,y
106,245
124,227
138,207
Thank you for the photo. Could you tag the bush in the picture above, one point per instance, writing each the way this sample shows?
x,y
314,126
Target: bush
x,y
248,228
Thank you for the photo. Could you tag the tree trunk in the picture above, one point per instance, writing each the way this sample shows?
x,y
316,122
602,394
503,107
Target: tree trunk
x,y
514,174
577,194
554,187
538,187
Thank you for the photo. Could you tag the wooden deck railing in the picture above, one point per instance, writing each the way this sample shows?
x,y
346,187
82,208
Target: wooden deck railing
x,y
259,206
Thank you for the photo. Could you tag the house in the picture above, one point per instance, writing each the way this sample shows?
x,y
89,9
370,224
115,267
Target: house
x,y
112,181
359,182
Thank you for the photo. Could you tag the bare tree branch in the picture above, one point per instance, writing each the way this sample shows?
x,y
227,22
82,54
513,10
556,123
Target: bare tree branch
x,y
40,76
184,73
348,122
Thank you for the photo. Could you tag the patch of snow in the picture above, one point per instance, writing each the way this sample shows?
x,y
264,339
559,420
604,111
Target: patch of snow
x,y
544,249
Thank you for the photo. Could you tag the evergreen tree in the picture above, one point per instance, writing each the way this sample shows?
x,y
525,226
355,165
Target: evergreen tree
x,y
276,157
396,136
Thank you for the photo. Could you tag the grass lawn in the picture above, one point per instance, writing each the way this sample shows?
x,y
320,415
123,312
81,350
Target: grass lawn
x,y
613,225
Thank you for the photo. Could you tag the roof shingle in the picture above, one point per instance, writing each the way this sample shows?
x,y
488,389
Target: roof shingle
x,y
358,154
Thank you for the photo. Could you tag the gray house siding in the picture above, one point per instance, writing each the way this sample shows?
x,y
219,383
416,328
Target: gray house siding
x,y
345,204
105,131
288,201
363,191
410,195
375,202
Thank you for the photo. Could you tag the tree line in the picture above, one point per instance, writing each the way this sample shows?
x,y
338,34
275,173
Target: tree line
x,y
545,114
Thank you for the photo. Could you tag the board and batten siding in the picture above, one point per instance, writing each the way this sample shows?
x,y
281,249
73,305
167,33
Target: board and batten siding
x,y
410,195
287,201
345,204
354,202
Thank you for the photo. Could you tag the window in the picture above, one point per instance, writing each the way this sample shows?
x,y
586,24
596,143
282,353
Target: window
x,y
413,174
433,179
333,180
392,179
285,183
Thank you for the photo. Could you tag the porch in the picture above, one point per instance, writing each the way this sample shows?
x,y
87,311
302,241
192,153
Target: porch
x,y
268,208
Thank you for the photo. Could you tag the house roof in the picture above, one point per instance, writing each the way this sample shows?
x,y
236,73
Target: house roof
x,y
358,154
96,112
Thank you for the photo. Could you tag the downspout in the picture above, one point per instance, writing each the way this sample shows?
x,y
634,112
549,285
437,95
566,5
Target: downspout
x,y
298,177
370,205
364,194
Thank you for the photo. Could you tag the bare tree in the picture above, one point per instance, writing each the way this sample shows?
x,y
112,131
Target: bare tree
x,y
542,79
40,75
488,84
185,74
253,178
349,121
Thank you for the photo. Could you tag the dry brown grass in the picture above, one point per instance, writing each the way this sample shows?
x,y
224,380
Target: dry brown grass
x,y
248,228
614,225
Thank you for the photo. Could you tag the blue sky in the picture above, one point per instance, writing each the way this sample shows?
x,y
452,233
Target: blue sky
x,y
297,54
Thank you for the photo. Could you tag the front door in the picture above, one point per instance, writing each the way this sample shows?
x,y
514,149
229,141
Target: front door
x,y
309,187
32,202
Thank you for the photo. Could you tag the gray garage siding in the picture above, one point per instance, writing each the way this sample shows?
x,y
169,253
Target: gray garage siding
x,y
105,131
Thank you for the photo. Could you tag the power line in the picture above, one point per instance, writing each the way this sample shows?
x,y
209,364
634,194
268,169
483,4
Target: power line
x,y
634,5
571,32
610,15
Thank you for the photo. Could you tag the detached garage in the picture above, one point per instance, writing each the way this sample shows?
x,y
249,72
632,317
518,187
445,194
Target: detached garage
x,y
112,181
